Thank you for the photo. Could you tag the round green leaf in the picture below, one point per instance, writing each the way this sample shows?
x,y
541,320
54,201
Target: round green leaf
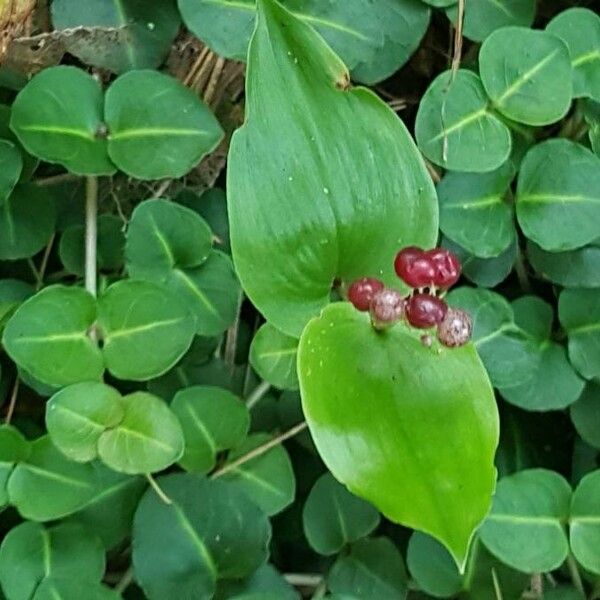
x,y
268,480
440,3
12,293
77,415
58,116
579,28
72,589
455,127
14,448
579,313
32,555
266,583
558,195
212,531
333,517
585,414
482,17
48,336
11,165
27,219
147,439
151,28
527,74
273,357
48,485
368,404
29,162
146,329
157,127
373,567
474,211
584,522
213,419
277,165
525,528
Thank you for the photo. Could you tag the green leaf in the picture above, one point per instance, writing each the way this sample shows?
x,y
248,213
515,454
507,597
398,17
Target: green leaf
x,y
48,486
27,219
58,116
584,522
48,336
72,589
474,211
333,517
146,440
454,123
146,329
11,165
579,314
525,528
585,414
482,17
368,404
265,583
579,28
29,162
14,448
373,567
12,293
284,175
151,28
109,249
558,195
157,127
213,419
268,480
527,74
212,532
32,555
574,268
273,357
77,416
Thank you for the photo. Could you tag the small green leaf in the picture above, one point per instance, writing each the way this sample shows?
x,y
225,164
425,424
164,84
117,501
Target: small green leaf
x,y
474,211
11,165
57,117
454,123
32,555
273,357
213,419
14,448
373,567
77,416
527,74
146,329
48,336
266,583
12,293
157,127
212,532
525,528
146,440
585,414
579,28
584,522
333,517
558,195
268,480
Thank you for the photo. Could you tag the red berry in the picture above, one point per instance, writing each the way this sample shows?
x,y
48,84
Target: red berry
x,y
424,310
455,329
387,307
405,258
414,267
361,292
446,265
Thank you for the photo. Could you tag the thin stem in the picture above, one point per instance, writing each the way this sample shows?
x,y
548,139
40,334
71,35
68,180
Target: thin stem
x,y
497,588
44,263
13,401
575,575
56,179
91,234
124,582
521,271
312,580
258,394
458,38
153,483
537,585
260,450
232,337
35,273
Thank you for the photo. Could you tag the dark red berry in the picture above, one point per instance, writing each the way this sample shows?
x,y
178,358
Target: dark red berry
x,y
455,329
387,307
405,258
361,292
424,310
446,265
414,267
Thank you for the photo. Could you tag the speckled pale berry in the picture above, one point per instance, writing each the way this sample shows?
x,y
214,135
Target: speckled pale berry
x,y
456,328
387,308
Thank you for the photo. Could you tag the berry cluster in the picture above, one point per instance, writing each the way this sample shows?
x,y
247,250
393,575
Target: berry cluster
x,y
427,272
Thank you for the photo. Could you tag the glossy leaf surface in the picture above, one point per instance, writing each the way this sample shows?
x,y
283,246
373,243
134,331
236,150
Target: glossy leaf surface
x,y
584,522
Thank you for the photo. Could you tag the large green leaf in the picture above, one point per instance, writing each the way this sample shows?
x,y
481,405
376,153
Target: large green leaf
x,y
314,177
266,580
68,588
12,293
157,127
14,448
372,399
527,74
211,531
48,336
11,165
150,29
558,195
584,522
58,116
454,123
585,414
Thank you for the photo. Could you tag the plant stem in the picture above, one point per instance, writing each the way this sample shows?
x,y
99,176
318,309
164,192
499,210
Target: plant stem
x,y
257,394
575,575
312,580
124,582
91,234
44,263
496,582
13,400
521,271
458,39
286,435
158,490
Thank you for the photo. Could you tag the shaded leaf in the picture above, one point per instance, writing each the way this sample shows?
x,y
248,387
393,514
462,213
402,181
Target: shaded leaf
x,y
584,522
273,357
